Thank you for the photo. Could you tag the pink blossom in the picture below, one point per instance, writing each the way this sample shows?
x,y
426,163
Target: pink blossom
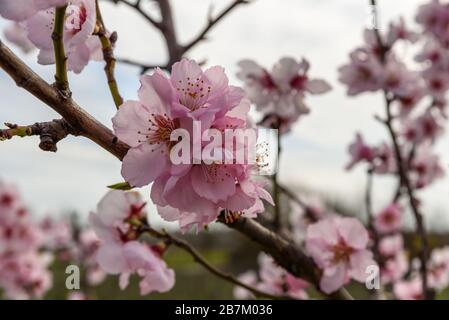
x,y
20,10
399,31
80,45
120,252
409,289
273,280
339,247
169,103
302,216
280,94
389,219
391,245
438,268
362,74
359,152
426,127
394,268
16,34
76,295
425,167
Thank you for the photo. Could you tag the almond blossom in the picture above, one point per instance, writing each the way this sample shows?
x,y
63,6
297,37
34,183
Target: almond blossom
x,y
279,94
339,248
120,251
79,43
17,35
409,289
272,279
439,268
169,103
389,219
20,10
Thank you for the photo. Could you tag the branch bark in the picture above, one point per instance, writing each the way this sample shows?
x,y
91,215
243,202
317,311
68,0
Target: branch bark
x,y
50,132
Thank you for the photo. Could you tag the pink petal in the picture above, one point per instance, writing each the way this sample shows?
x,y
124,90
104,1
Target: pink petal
x,y
144,164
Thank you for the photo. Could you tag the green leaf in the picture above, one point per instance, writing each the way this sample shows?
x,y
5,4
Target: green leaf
x,y
121,186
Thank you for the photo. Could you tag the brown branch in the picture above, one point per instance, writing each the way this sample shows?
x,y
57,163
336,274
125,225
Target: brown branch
x,y
212,22
285,253
137,7
143,67
175,50
50,133
81,123
403,172
184,245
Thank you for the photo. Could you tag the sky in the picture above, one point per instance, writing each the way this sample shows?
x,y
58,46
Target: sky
x,y
314,154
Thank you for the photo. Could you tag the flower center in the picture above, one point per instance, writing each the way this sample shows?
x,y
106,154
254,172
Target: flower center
x,y
342,252
6,200
194,93
159,132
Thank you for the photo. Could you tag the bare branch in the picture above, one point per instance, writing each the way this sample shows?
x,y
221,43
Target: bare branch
x,y
137,7
80,121
144,67
50,132
285,253
182,244
212,22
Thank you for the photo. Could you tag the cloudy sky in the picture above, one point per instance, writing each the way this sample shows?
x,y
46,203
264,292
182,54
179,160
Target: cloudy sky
x,y
323,31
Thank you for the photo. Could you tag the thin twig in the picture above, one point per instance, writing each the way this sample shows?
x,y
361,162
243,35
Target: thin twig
x,y
62,82
108,56
403,173
137,7
212,22
144,67
184,245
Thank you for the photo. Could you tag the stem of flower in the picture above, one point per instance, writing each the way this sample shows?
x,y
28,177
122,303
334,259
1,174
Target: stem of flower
x,y
62,82
108,56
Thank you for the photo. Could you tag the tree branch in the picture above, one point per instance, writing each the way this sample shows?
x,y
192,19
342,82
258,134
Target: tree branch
x,y
285,253
108,56
137,7
212,22
144,67
80,121
184,245
50,132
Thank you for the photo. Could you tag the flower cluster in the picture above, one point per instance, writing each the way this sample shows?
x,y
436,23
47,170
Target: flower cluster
x,y
34,24
117,224
188,97
279,95
23,267
272,279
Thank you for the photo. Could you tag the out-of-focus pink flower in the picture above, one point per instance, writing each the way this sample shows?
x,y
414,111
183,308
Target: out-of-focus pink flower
x,y
409,289
339,247
57,234
79,42
17,35
20,10
434,17
426,127
362,74
120,252
399,31
360,151
302,216
273,280
425,167
389,219
76,295
438,269
394,268
384,162
280,94
391,245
